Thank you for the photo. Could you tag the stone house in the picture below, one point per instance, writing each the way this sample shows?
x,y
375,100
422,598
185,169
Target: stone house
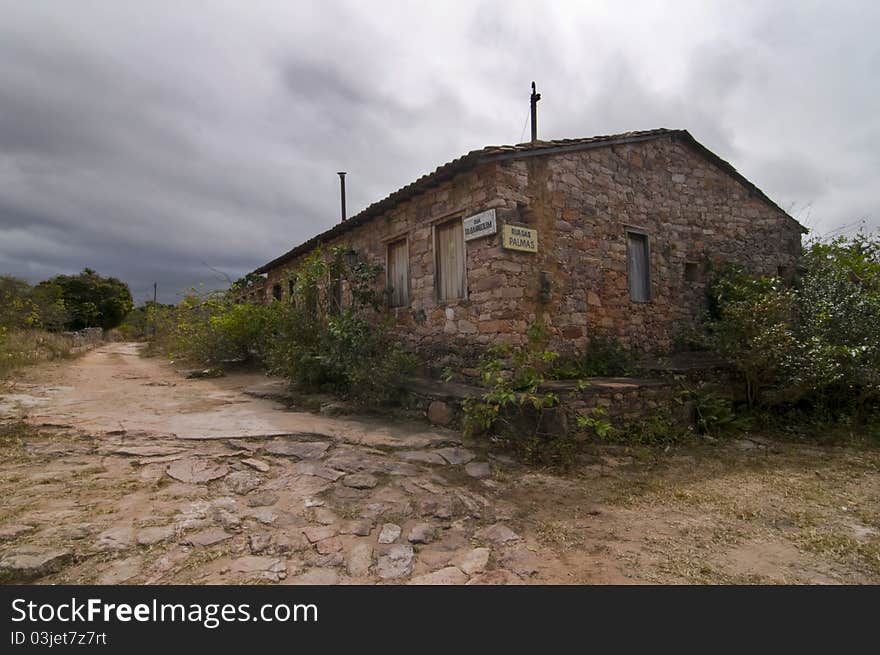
x,y
611,235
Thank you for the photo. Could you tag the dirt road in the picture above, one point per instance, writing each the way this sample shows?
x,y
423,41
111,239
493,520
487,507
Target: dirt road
x,y
124,471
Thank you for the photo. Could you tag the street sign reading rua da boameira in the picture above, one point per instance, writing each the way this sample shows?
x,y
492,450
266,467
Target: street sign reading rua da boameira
x,y
479,225
514,237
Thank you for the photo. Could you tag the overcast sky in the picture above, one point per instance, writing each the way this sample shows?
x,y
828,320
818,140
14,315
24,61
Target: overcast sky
x,y
151,140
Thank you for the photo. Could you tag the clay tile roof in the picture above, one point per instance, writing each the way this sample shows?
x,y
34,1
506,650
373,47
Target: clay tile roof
x,y
498,153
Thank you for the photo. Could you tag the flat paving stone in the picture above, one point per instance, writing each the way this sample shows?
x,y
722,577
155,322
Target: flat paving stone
x,y
318,471
14,531
390,533
360,481
207,537
397,562
261,499
496,534
118,538
257,464
154,534
272,569
299,449
325,516
328,546
257,543
473,561
360,559
478,469
196,471
456,456
361,528
29,563
518,558
422,456
421,533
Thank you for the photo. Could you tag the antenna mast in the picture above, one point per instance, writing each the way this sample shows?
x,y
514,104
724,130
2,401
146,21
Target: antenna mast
x,y
534,103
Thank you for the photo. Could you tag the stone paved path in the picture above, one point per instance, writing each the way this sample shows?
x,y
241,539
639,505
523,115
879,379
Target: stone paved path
x,y
133,474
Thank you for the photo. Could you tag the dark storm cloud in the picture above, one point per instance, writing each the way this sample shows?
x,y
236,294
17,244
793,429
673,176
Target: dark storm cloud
x,y
154,141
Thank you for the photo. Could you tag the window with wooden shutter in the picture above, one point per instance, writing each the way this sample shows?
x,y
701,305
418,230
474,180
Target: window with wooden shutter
x,y
398,273
638,266
451,280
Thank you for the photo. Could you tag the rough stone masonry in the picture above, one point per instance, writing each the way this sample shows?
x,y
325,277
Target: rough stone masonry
x,y
589,201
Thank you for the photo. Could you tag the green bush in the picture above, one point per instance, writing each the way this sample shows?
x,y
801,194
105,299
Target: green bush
x,y
512,408
751,327
604,357
814,344
312,338
320,342
210,330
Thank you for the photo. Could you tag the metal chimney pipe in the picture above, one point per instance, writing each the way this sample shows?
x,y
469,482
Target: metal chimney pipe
x,y
341,175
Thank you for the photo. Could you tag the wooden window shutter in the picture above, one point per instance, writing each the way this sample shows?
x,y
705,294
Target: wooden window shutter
x,y
451,278
398,273
638,267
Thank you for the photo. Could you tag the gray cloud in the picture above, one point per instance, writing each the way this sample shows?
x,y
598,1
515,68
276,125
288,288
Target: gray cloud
x,y
143,139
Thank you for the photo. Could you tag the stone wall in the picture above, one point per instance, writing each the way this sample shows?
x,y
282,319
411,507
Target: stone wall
x,y
624,400
445,333
692,211
581,202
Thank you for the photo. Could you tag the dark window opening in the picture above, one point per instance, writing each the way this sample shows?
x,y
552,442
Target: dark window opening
x,y
638,266
691,272
276,291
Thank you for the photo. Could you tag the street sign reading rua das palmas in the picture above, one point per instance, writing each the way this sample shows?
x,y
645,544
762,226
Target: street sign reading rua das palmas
x,y
479,225
514,237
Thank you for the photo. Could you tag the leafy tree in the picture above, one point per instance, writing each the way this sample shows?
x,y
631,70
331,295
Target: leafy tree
x,y
49,303
17,310
90,299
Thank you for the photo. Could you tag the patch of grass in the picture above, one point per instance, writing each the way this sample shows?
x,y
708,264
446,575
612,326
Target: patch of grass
x,y
12,436
558,534
842,547
20,348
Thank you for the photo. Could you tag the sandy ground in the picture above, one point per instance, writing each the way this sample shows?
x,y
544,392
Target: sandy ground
x,y
116,469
